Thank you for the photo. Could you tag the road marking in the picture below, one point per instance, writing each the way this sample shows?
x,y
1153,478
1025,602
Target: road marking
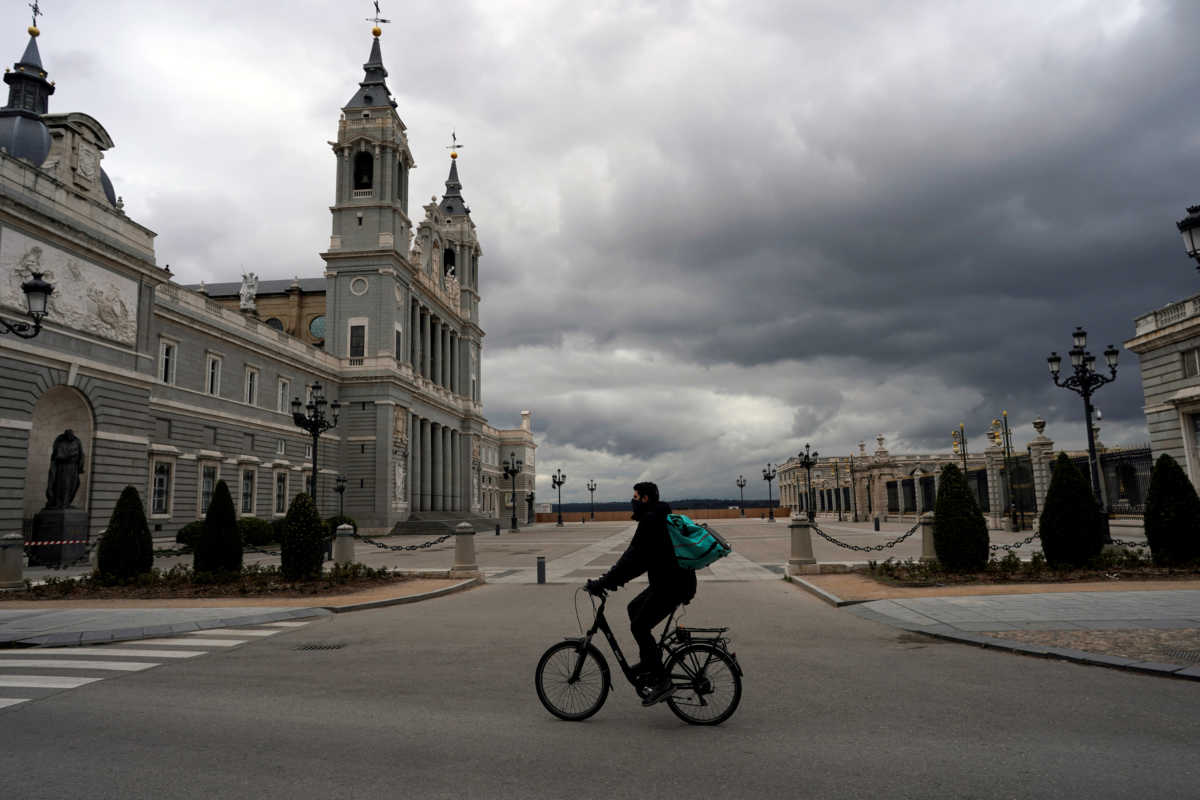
x,y
119,651
45,681
195,642
231,632
55,663
5,702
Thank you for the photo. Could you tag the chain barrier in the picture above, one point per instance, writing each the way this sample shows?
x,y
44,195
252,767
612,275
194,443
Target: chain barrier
x,y
1015,545
400,547
1124,543
254,549
868,548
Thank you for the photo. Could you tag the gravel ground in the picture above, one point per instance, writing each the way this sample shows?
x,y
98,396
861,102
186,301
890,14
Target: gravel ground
x,y
1162,646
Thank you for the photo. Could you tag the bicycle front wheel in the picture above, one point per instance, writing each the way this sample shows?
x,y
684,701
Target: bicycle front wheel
x,y
566,698
708,685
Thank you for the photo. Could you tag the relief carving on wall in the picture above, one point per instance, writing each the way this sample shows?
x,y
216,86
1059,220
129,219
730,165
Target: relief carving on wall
x,y
400,426
400,483
86,297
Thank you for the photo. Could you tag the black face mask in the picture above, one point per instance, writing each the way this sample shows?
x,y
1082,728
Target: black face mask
x,y
636,506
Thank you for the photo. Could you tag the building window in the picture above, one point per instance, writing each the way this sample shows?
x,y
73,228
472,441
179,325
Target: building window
x,y
248,491
281,492
1191,362
364,170
212,375
281,448
160,490
276,323
167,356
208,482
399,344
308,451
358,340
308,487
282,401
251,386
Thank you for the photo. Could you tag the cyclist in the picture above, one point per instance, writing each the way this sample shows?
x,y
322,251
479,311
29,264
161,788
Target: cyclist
x,y
651,552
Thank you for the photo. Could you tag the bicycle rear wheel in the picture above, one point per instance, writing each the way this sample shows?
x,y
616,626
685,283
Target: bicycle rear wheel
x,y
708,685
567,699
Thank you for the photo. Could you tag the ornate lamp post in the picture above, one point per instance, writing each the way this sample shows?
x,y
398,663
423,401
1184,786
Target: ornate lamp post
x,y
529,517
512,468
1189,226
807,461
314,420
340,488
768,476
741,484
959,438
1085,382
556,481
837,488
853,493
37,297
591,487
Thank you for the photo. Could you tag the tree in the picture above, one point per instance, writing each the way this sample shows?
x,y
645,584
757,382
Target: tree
x,y
960,535
302,546
126,549
219,547
1172,517
1071,528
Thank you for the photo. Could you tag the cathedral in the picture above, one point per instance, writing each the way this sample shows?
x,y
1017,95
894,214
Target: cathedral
x,y
172,388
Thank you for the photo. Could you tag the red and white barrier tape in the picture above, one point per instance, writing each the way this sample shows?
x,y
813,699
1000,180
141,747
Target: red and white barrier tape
x,y
59,541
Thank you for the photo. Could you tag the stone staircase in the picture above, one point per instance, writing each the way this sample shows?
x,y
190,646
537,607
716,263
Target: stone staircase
x,y
439,523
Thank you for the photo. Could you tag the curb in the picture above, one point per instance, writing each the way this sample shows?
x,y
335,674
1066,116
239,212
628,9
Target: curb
x,y
412,598
819,593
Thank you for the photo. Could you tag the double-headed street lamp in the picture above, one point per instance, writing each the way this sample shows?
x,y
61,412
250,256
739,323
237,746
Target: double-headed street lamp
x,y
314,420
591,487
512,468
807,461
556,481
741,484
769,475
37,298
1085,382
959,438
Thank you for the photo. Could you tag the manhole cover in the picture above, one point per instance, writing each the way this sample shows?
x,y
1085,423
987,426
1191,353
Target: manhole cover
x,y
1183,655
320,646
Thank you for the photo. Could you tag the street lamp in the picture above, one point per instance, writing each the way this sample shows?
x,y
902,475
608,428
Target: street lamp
x,y
768,476
807,460
556,481
1085,382
1189,226
340,488
1002,435
741,484
853,491
837,488
512,468
591,487
314,420
37,297
959,438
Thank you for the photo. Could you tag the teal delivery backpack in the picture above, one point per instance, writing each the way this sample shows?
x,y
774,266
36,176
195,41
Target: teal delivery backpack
x,y
695,546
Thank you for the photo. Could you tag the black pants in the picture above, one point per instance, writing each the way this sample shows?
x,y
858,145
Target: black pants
x,y
646,610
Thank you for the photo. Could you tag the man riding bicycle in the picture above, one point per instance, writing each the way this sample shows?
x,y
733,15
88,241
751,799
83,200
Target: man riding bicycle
x,y
650,551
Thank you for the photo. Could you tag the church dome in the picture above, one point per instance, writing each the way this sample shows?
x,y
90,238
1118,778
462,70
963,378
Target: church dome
x,y
106,182
24,136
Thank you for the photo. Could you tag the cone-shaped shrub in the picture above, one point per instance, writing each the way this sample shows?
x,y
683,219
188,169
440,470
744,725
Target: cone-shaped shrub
x,y
126,549
303,544
1071,528
1172,515
960,535
219,548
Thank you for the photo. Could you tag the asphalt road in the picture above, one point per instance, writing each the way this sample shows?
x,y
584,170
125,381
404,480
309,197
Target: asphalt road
x,y
436,700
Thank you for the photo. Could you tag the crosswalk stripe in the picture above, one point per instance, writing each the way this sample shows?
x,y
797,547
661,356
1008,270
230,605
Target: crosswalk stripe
x,y
45,681
133,652
64,663
231,632
286,624
197,642
5,702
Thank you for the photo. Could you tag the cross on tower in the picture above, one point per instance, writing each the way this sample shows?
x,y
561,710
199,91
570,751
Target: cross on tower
x,y
37,11
378,20
454,145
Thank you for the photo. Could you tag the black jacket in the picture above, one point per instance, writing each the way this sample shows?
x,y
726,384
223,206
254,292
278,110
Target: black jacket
x,y
650,551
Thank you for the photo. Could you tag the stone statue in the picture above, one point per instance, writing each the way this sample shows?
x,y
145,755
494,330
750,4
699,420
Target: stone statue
x,y
248,291
66,465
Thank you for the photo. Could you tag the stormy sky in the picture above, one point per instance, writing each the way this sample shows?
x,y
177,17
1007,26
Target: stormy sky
x,y
712,231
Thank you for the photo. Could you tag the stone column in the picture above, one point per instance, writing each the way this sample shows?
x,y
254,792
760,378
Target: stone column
x,y
414,463
464,548
1041,451
455,378
435,358
438,466
801,558
455,474
426,465
425,326
994,460
928,553
444,377
446,456
414,325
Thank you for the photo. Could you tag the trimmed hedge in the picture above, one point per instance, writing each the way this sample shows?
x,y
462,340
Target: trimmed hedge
x,y
256,532
1071,528
1172,516
303,543
960,535
189,534
126,549
219,548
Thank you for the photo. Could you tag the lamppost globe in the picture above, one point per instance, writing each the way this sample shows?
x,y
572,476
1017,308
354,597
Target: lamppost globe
x,y
1189,226
37,301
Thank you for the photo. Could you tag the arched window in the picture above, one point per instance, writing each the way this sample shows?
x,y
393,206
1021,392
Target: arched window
x,y
364,170
448,262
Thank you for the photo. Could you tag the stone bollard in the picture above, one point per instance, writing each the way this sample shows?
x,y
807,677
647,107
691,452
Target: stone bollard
x,y
343,545
802,560
464,548
541,569
12,549
928,552
877,523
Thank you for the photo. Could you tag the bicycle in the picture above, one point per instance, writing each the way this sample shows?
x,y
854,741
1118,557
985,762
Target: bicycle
x,y
573,678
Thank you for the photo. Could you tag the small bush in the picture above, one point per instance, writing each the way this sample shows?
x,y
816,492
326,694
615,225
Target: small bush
x,y
189,534
336,520
256,532
960,535
126,549
219,550
1071,528
303,543
1172,516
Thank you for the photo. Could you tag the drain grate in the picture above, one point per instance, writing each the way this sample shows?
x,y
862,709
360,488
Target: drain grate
x,y
320,646
1183,655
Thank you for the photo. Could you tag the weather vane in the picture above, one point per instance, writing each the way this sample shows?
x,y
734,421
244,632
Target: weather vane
x,y
378,20
454,145
37,11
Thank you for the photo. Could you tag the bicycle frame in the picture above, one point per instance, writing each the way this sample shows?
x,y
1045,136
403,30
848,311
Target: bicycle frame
x,y
600,623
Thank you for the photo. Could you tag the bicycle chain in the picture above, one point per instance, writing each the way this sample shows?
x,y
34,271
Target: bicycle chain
x,y
867,548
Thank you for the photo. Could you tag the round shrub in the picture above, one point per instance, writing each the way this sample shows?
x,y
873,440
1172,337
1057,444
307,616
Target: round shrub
x,y
1071,528
126,549
220,548
256,532
1172,516
189,534
960,535
303,543
333,522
